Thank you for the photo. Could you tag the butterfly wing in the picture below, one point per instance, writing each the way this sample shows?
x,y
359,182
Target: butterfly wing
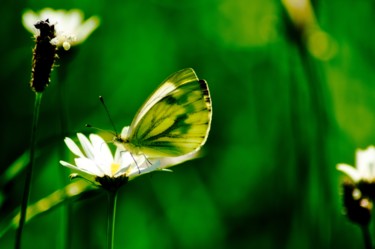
x,y
175,120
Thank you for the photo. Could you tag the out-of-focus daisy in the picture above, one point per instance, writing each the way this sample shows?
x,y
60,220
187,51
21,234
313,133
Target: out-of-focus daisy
x,y
302,16
96,163
71,29
365,166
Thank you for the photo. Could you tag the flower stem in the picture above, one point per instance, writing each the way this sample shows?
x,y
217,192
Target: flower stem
x,y
112,201
366,236
29,170
67,212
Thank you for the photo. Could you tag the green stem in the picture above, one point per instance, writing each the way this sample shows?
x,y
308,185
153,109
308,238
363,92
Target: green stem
x,y
67,212
29,171
112,200
366,237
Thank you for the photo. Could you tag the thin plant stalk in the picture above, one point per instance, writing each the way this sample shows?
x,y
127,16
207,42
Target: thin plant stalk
x,y
29,170
112,201
366,237
67,212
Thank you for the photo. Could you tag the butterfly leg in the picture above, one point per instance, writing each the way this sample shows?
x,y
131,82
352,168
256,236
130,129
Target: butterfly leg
x,y
147,159
135,161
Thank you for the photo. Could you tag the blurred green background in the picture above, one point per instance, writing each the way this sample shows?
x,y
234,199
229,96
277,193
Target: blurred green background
x,y
293,95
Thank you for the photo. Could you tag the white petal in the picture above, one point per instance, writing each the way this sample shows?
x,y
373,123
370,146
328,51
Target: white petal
x,y
85,174
101,149
123,157
89,166
350,171
55,41
143,169
172,161
66,164
70,27
29,18
118,155
365,162
103,154
153,167
72,20
73,147
86,145
121,172
139,162
86,28
48,13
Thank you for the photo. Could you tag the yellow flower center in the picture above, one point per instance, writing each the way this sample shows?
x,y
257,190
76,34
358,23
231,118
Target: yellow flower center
x,y
114,168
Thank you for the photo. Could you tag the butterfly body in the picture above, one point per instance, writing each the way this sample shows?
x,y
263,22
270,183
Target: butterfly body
x,y
174,121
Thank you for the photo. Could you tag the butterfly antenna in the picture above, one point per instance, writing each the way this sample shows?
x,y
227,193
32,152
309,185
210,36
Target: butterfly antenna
x,y
96,128
109,116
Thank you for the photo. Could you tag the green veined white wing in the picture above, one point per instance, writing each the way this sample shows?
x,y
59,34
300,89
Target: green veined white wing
x,y
174,121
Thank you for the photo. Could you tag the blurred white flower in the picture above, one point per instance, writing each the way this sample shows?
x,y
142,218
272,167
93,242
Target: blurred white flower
x,y
96,160
365,166
70,27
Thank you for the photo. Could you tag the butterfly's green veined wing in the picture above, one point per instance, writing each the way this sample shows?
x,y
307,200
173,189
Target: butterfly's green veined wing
x,y
175,120
166,87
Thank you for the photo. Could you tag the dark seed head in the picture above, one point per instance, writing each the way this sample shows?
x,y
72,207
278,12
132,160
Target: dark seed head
x,y
44,56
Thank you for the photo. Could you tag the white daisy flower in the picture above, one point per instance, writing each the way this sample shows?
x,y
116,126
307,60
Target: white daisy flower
x,y
365,166
95,159
70,27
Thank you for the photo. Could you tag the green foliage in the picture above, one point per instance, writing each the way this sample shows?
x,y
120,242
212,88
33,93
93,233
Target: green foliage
x,y
282,120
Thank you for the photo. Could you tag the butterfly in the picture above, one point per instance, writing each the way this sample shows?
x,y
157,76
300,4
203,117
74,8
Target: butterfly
x,y
174,121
